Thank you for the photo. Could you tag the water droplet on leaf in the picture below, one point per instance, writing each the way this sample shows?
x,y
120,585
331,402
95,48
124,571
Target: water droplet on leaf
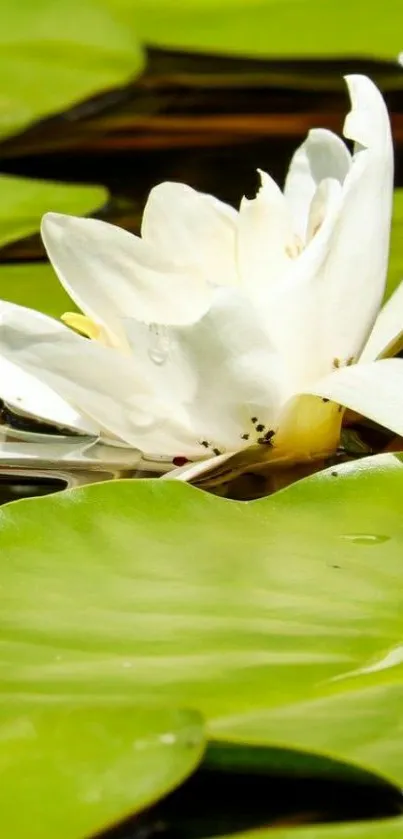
x,y
168,739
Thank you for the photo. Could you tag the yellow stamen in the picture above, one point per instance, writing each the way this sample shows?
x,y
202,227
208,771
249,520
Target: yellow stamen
x,y
82,324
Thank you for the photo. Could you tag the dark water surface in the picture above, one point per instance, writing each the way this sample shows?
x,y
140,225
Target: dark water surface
x,y
215,802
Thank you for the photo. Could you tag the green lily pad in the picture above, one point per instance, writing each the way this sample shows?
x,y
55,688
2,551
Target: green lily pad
x,y
280,620
70,772
55,53
270,27
23,202
395,274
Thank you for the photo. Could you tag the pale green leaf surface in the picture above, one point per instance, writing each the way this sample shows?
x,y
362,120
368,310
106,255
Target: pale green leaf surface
x,y
70,772
281,620
55,53
276,28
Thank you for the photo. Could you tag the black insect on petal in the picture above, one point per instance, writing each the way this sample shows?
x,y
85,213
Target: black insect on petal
x,y
204,443
216,451
267,438
260,427
245,436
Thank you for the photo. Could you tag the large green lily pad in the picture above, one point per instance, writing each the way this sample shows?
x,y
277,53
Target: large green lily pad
x,y
281,620
55,53
270,27
70,772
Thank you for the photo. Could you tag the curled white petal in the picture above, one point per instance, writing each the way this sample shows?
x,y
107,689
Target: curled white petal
x,y
325,312
322,155
189,228
374,390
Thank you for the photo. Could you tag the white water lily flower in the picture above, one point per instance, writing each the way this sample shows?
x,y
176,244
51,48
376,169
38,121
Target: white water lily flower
x,y
219,332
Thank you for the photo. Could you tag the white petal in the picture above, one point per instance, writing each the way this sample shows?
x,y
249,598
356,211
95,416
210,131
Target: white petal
x,y
28,395
326,311
109,273
264,236
222,371
238,374
217,374
189,228
367,124
324,202
322,155
374,390
386,337
114,390
170,371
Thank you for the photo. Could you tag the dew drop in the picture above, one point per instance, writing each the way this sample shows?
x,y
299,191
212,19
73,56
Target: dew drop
x,y
159,343
365,538
168,739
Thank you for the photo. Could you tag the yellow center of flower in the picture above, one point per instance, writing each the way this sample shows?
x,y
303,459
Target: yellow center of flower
x,y
83,325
